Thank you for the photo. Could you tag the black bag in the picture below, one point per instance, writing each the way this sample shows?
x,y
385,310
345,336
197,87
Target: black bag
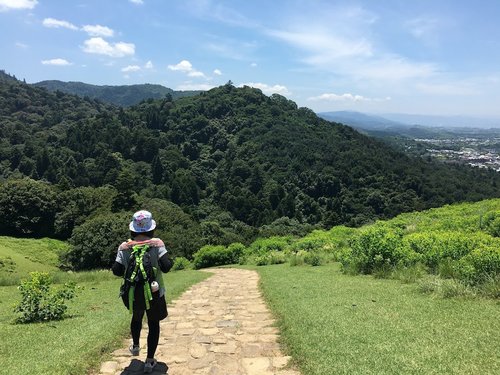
x,y
140,273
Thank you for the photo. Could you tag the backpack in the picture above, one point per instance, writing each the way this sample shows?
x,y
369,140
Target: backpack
x,y
140,273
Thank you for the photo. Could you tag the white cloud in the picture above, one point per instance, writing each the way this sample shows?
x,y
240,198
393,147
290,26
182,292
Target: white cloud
x,y
98,30
253,65
131,68
57,62
217,72
148,65
53,23
186,67
268,90
6,5
324,46
188,86
183,66
138,2
21,45
346,98
100,46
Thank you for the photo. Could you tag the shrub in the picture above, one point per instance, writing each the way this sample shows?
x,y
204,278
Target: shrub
x,y
209,255
39,302
313,259
443,246
95,242
263,245
491,223
481,265
27,207
276,257
262,260
181,263
376,248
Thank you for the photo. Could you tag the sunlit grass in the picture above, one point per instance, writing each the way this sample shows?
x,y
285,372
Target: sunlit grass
x,y
339,324
97,325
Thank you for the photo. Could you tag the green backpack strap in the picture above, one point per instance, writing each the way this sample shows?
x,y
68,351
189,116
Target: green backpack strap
x,y
138,252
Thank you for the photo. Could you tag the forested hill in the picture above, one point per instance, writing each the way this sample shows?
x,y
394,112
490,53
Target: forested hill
x,y
125,95
232,158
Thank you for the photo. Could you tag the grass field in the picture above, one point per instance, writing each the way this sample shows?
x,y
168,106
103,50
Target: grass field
x,y
98,324
338,324
19,256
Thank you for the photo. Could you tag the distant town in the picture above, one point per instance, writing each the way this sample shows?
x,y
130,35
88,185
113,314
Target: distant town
x,y
476,152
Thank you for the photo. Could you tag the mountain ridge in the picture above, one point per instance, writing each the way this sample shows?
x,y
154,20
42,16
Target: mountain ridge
x,y
122,95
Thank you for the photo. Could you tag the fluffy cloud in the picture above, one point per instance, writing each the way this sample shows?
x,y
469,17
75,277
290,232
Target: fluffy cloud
x,y
268,90
188,86
98,30
186,67
53,23
131,68
6,5
148,65
99,46
346,98
138,2
217,72
58,62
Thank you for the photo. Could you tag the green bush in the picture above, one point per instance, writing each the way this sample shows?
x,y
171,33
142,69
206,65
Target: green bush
x,y
313,259
376,248
491,223
210,255
39,302
264,245
181,263
94,243
481,265
442,246
27,207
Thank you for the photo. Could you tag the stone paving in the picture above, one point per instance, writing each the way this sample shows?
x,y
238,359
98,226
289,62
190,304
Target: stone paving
x,y
220,326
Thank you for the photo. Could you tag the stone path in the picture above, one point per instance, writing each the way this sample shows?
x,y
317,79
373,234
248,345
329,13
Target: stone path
x,y
220,326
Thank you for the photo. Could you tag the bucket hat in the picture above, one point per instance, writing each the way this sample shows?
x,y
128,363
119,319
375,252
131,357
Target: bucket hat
x,y
142,221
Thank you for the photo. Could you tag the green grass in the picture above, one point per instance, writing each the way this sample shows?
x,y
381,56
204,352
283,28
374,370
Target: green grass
x,y
98,324
23,255
338,324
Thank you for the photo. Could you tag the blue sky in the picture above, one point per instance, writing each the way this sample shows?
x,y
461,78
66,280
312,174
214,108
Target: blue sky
x,y
420,56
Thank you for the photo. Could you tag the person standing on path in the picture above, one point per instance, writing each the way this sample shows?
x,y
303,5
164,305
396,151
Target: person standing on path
x,y
142,229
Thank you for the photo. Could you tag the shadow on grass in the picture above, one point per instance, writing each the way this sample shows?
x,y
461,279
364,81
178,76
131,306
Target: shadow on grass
x,y
136,367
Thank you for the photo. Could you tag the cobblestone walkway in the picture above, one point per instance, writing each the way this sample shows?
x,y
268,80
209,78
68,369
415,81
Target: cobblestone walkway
x,y
220,326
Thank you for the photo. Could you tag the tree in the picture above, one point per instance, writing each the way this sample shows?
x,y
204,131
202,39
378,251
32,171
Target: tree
x,y
27,207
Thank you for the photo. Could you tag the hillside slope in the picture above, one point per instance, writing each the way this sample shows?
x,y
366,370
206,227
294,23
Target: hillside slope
x,y
228,157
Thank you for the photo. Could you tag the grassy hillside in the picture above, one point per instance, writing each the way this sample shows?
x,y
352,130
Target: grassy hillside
x,y
19,256
452,250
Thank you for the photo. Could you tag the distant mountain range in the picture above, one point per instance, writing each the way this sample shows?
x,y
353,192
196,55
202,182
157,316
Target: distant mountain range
x,y
409,124
125,95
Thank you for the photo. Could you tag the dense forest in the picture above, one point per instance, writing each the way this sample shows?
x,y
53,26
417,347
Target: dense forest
x,y
125,95
220,167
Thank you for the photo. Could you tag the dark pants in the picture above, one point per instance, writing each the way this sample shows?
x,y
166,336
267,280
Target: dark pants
x,y
157,312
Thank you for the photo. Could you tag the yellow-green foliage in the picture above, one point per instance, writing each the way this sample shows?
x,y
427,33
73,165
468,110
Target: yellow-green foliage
x,y
453,241
209,255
